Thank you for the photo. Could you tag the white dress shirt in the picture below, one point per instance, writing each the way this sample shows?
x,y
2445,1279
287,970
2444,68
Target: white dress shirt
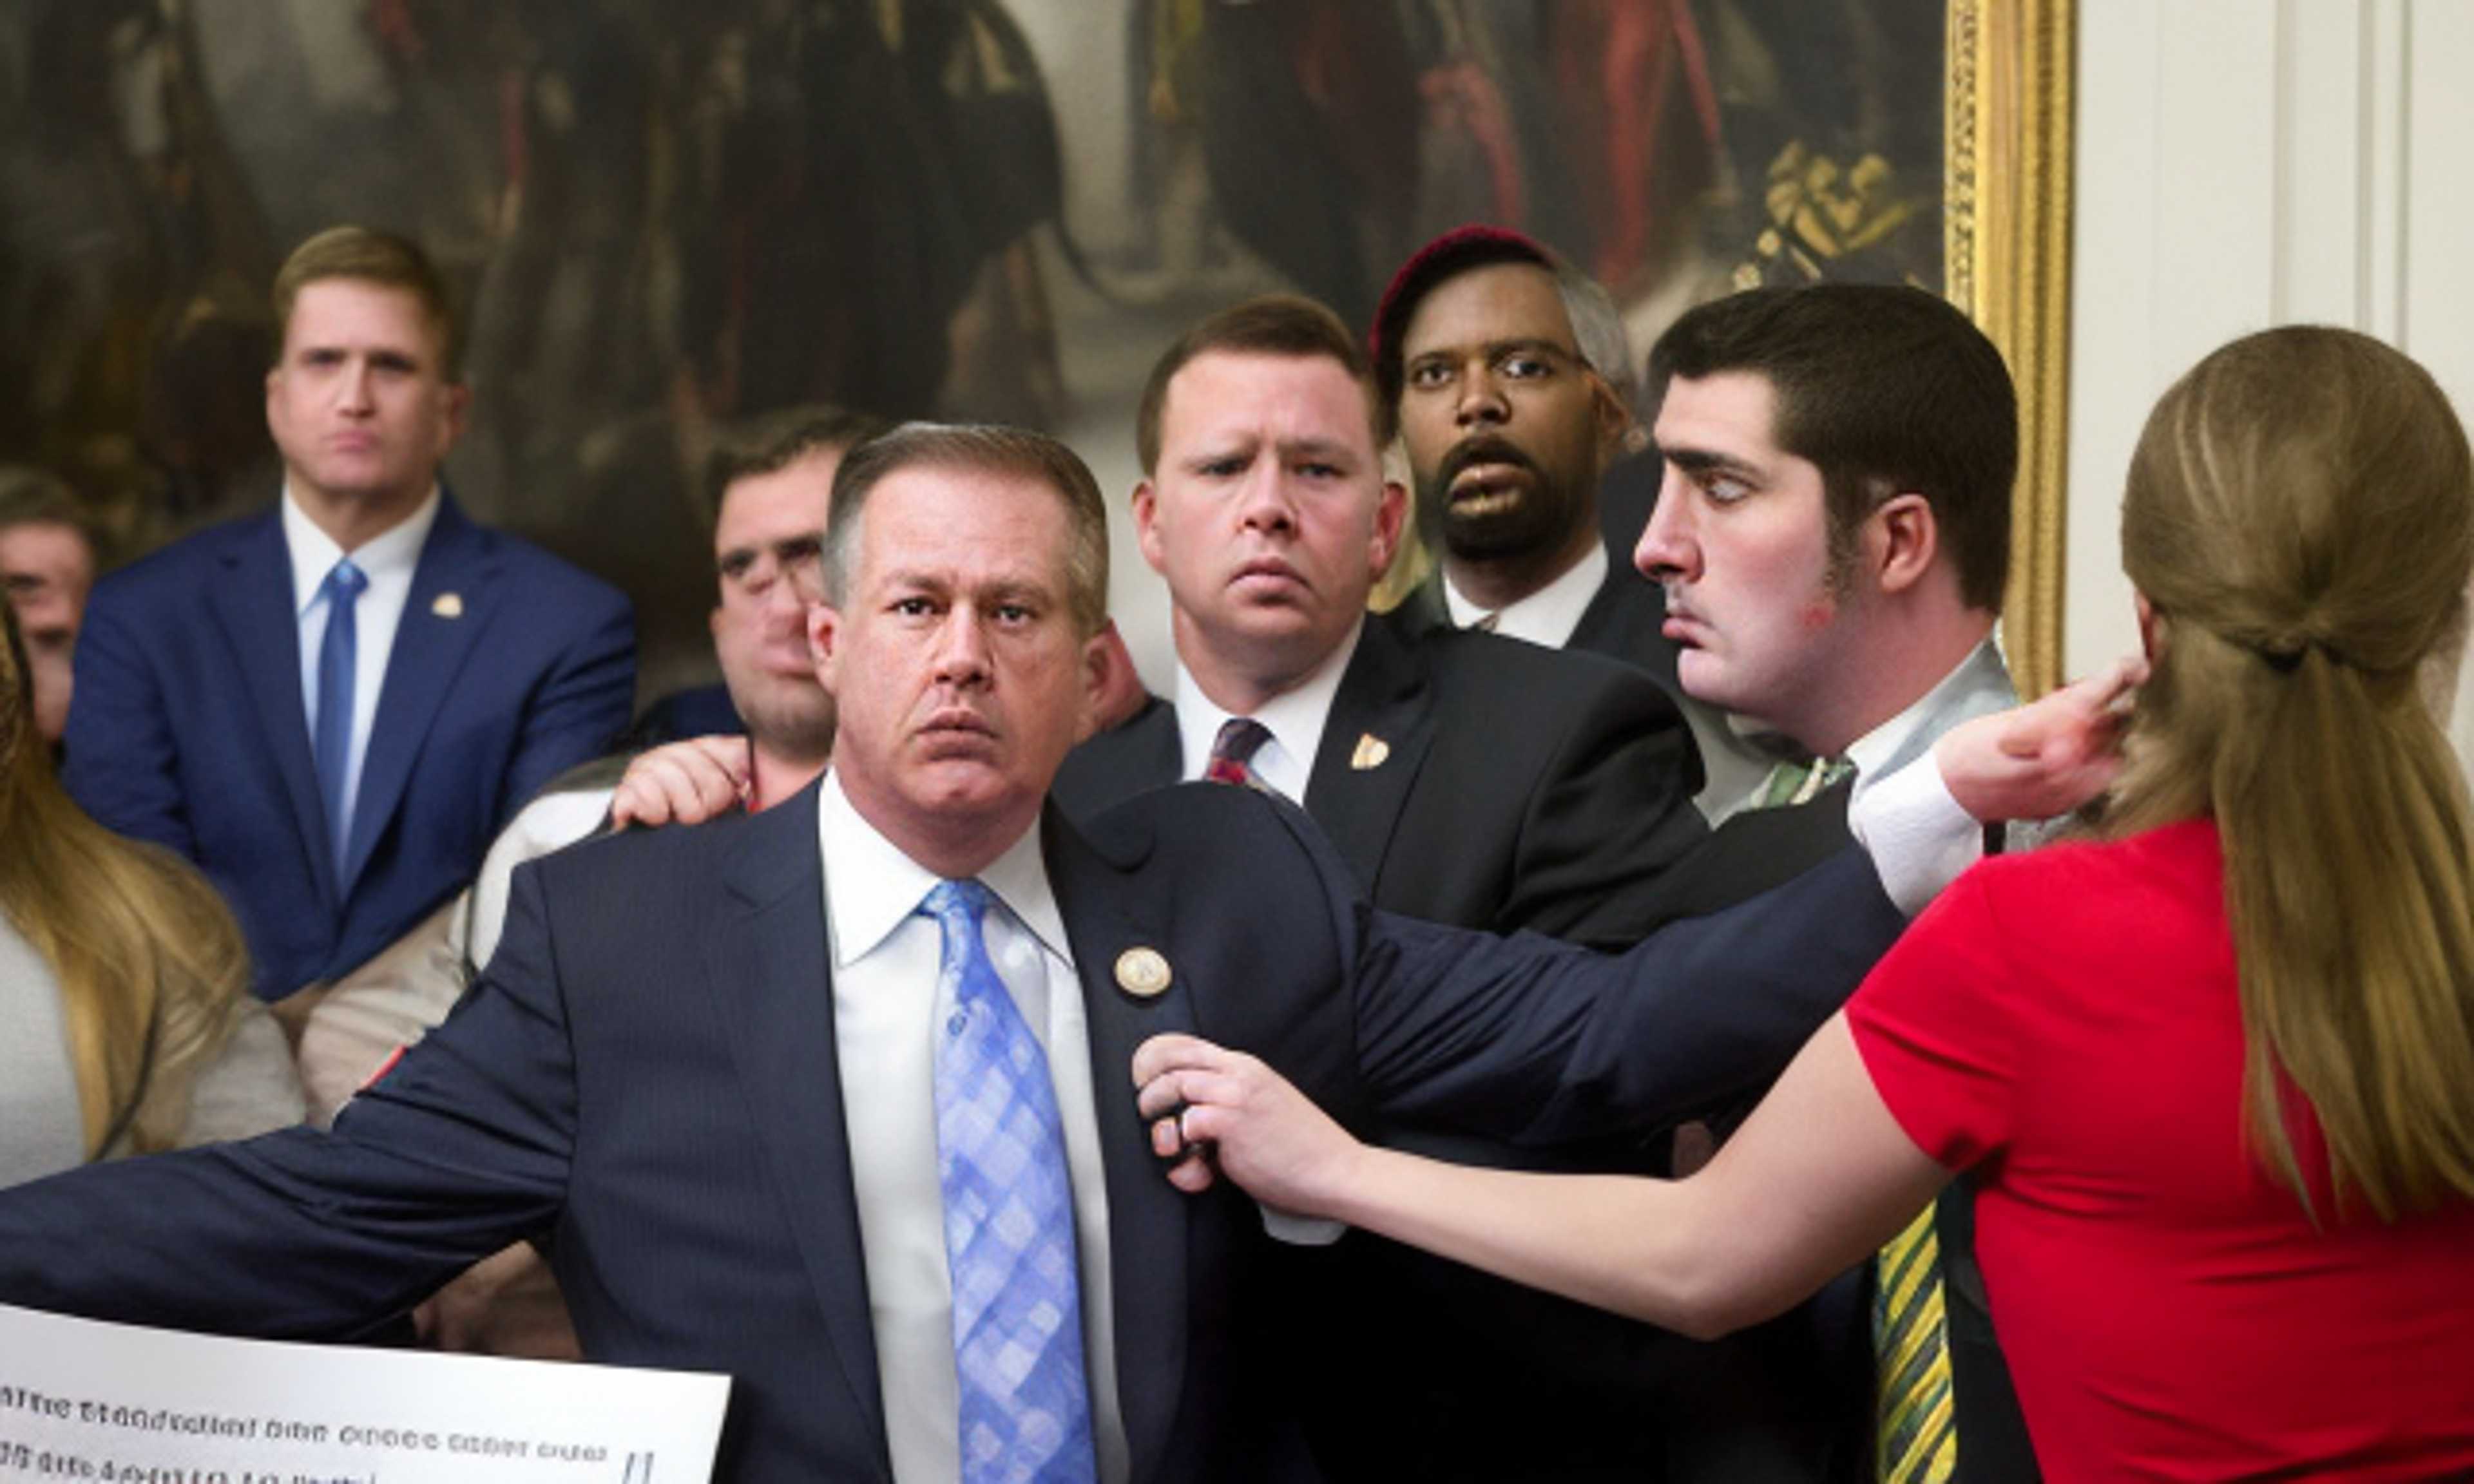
x,y
1547,616
886,1011
387,561
1919,836
1295,718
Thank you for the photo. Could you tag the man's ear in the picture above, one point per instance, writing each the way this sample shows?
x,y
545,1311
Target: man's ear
x,y
1099,666
1146,526
1906,537
1390,514
824,646
1614,420
459,403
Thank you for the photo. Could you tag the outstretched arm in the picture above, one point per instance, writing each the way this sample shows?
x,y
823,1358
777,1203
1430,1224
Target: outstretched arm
x,y
1820,1176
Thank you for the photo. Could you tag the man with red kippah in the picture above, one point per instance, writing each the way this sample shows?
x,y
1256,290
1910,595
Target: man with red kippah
x,y
1508,371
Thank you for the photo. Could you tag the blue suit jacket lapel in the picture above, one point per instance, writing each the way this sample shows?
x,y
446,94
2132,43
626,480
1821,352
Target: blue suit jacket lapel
x,y
252,599
1108,910
430,647
765,965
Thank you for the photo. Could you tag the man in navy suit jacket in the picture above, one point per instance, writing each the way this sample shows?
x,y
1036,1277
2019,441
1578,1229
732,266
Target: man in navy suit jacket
x,y
676,1073
479,666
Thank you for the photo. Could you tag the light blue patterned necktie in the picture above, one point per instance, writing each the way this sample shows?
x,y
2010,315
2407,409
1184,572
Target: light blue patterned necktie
x,y
331,740
1025,1412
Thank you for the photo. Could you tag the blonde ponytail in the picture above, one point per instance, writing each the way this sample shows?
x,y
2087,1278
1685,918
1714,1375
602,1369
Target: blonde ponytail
x,y
2300,514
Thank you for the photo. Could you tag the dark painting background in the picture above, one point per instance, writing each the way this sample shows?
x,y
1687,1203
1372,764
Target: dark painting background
x,y
659,216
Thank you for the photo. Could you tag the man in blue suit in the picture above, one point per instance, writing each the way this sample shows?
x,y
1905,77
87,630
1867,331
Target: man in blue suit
x,y
332,706
709,1068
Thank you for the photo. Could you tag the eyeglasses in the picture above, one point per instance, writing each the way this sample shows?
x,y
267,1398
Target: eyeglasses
x,y
753,570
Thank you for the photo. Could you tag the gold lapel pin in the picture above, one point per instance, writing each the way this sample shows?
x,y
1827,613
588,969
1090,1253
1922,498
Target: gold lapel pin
x,y
1142,972
1371,751
448,605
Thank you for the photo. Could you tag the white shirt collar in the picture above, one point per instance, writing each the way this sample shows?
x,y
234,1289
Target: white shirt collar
x,y
871,886
1295,719
394,551
1872,752
1547,616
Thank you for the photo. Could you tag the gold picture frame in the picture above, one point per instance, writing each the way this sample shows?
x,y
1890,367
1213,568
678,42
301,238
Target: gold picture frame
x,y
2008,252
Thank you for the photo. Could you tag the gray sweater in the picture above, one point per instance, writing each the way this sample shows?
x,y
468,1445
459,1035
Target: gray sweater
x,y
248,1086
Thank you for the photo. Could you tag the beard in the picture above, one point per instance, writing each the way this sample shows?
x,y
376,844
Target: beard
x,y
1537,519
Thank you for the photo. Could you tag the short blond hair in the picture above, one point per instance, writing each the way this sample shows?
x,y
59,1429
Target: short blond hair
x,y
367,255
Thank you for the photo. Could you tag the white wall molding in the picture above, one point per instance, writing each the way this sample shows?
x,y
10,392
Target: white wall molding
x,y
2245,164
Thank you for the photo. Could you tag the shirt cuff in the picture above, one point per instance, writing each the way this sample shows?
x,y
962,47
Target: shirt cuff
x,y
1299,1231
1920,838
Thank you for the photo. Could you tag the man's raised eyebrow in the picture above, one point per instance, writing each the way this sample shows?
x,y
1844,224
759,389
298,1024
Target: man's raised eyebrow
x,y
1701,461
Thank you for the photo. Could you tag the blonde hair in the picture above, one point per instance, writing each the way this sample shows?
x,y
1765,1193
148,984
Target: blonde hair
x,y
366,255
149,965
2300,518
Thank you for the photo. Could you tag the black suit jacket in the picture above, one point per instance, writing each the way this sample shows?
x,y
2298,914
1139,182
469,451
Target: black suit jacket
x,y
1520,787
1529,788
1625,615
645,1079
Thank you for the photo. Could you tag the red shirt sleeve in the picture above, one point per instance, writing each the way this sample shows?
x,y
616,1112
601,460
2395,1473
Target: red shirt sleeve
x,y
1936,1025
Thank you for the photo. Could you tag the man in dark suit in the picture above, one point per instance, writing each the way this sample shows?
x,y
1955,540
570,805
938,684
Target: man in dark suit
x,y
709,1067
1833,528
1468,778
331,707
1501,363
1465,778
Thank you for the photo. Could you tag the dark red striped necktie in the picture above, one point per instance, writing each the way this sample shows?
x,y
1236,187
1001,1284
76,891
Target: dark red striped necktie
x,y
1233,750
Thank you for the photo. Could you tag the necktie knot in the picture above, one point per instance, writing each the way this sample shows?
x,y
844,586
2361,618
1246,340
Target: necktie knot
x,y
957,904
345,580
1792,783
1233,750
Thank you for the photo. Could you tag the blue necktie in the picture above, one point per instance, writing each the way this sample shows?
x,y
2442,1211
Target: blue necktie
x,y
331,740
1025,1413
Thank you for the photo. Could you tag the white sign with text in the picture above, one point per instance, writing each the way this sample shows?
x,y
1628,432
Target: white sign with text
x,y
125,1405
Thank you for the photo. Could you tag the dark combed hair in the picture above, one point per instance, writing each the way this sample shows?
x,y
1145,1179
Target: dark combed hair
x,y
978,448
771,441
367,255
1272,325
1885,390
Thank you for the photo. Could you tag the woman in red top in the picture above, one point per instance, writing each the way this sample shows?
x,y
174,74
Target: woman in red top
x,y
2215,1075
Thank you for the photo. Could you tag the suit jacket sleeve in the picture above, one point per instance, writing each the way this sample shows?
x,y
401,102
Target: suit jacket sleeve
x,y
1537,1041
461,1149
123,766
582,704
1611,815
